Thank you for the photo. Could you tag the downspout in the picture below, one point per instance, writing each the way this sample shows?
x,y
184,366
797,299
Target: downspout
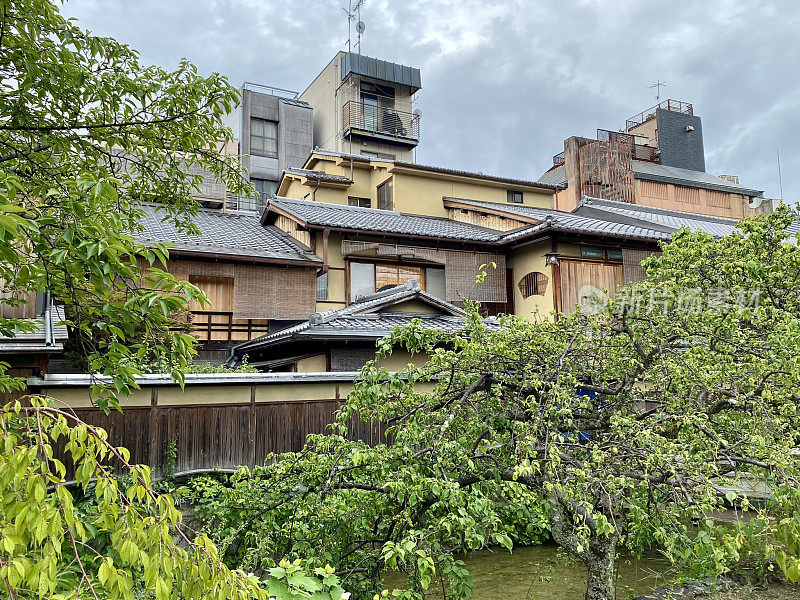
x,y
48,320
325,265
314,191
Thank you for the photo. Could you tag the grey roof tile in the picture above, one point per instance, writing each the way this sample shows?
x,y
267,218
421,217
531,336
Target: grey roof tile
x,y
338,216
558,220
235,234
363,319
556,176
436,169
321,175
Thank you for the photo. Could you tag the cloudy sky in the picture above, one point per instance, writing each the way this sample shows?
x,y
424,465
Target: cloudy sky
x,y
504,82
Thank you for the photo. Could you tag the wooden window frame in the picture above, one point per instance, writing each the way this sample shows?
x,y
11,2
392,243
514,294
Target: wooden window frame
x,y
511,196
422,280
605,258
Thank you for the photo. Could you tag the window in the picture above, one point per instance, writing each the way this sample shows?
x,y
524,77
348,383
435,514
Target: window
x,y
362,280
381,155
322,287
607,254
263,137
514,196
435,282
367,278
385,192
361,202
533,284
264,189
590,252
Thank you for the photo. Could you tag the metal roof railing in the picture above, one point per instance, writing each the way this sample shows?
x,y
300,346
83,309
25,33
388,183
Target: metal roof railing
x,y
650,113
271,89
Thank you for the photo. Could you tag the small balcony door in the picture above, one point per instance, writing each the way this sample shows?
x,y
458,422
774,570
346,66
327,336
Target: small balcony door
x,y
369,105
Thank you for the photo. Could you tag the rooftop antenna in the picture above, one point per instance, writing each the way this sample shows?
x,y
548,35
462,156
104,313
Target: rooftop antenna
x,y
354,14
658,85
780,180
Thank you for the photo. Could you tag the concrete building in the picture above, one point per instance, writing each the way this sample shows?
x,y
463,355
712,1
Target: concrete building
x,y
273,129
364,106
656,160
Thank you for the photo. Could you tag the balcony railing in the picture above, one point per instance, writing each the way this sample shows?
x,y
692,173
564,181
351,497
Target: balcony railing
x,y
218,326
360,117
626,140
559,159
650,113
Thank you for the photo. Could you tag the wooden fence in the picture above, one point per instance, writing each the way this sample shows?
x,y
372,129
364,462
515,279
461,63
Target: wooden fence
x,y
221,434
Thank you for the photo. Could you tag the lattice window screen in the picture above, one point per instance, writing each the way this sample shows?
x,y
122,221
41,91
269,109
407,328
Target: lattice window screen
x,y
632,264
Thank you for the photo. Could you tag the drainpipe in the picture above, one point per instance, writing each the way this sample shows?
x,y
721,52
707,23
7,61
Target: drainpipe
x,y
314,191
325,266
48,320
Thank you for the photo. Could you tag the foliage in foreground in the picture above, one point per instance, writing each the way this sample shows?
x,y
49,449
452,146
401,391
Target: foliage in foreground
x,y
106,537
621,428
88,135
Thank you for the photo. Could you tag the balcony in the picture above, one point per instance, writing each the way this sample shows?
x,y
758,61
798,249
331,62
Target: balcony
x,y
650,113
218,326
380,122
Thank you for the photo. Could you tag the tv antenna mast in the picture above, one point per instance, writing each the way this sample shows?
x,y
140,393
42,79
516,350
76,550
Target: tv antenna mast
x,y
354,14
658,85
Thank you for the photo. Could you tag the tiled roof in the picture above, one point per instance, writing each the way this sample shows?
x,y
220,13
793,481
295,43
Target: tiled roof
x,y
321,175
369,317
234,234
338,216
436,169
657,218
556,176
657,172
545,218
294,102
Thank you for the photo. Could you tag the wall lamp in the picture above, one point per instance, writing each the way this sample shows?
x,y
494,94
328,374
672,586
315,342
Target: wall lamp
x,y
551,258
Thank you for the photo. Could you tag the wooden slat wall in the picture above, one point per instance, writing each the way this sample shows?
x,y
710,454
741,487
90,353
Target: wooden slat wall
x,y
218,436
576,274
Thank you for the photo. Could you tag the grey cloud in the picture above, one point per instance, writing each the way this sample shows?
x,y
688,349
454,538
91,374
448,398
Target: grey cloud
x,y
505,82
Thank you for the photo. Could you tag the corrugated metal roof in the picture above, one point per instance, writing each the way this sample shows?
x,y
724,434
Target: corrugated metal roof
x,y
234,234
338,216
657,218
34,340
656,172
384,70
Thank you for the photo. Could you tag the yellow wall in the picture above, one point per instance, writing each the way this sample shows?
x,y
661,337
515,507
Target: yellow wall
x,y
313,364
522,261
415,191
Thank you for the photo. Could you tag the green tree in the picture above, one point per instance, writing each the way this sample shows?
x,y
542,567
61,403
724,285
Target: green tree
x,y
624,427
87,134
106,537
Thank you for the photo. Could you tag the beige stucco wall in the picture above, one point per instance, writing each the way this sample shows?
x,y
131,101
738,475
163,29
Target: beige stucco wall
x,y
522,261
313,364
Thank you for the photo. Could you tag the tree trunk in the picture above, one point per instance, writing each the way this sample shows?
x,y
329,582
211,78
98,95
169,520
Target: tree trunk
x,y
600,561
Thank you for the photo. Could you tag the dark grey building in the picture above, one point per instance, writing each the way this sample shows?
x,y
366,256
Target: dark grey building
x,y
274,131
